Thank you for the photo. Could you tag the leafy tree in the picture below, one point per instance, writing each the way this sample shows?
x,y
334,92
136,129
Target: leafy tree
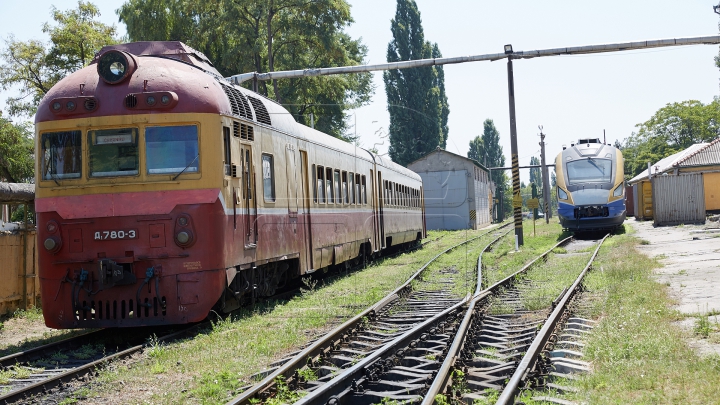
x,y
246,35
35,66
417,102
535,176
486,149
671,129
16,152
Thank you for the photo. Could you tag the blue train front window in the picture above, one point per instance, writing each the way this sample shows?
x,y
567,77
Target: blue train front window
x,y
589,171
172,149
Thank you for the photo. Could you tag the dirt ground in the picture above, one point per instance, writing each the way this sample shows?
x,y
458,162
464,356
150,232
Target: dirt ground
x,y
690,255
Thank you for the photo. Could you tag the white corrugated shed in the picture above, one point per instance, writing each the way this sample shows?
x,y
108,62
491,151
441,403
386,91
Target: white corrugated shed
x,y
668,163
456,189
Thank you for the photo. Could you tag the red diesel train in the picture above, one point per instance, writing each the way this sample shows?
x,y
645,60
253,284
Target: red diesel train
x,y
164,191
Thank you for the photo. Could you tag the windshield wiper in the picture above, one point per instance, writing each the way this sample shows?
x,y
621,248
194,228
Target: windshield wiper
x,y
592,162
52,175
189,164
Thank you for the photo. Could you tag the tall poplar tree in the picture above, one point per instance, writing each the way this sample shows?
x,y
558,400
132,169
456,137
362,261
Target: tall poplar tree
x,y
417,102
535,175
486,149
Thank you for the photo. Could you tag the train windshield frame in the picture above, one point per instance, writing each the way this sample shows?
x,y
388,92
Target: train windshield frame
x,y
172,149
590,170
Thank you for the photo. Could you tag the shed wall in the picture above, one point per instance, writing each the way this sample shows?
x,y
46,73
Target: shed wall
x,y
446,200
712,191
678,199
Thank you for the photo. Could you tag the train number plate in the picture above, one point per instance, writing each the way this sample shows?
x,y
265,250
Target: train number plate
x,y
118,234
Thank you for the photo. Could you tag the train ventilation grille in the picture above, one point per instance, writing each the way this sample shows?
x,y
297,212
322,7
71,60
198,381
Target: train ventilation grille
x,y
99,310
238,102
234,171
260,111
243,131
130,101
90,104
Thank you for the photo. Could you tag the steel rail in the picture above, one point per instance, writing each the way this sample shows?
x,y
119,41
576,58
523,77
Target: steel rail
x,y
45,385
340,333
573,50
444,374
49,348
538,344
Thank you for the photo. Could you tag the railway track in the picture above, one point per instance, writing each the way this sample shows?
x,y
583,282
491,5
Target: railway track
x,y
422,297
514,351
38,371
461,352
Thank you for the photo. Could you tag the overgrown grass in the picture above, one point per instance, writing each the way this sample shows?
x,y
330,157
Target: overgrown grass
x,y
211,367
503,260
639,355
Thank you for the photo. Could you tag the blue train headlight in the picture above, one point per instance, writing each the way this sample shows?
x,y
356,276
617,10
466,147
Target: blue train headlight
x,y
618,191
562,194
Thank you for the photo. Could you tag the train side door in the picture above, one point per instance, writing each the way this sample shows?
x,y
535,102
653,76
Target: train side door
x,y
381,204
293,229
304,222
249,200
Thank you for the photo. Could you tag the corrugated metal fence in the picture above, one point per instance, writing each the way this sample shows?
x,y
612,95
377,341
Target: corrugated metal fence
x,y
15,278
678,199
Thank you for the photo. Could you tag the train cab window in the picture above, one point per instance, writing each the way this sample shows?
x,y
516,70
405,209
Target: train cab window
x,y
62,155
174,149
351,188
337,187
362,191
113,152
320,185
268,173
346,198
328,186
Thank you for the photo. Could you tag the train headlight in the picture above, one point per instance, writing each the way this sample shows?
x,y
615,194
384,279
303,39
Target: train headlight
x,y
618,191
52,244
115,66
562,194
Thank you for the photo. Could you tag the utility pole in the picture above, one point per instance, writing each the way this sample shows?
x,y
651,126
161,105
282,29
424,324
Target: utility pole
x,y
545,178
517,198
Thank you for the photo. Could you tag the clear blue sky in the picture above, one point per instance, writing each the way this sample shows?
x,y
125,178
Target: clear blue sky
x,y
571,96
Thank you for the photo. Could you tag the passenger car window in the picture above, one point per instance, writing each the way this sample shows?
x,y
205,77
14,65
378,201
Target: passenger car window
x,y
268,173
62,155
174,149
113,152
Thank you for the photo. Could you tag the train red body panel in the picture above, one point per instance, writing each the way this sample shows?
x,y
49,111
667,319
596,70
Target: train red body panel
x,y
163,191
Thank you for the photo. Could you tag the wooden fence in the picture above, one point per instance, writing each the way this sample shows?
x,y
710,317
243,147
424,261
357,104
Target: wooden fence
x,y
19,275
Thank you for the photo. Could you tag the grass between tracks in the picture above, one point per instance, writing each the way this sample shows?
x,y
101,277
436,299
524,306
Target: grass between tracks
x,y
213,366
638,353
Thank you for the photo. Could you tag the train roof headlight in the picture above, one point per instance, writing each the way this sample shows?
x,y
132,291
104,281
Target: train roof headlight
x,y
115,66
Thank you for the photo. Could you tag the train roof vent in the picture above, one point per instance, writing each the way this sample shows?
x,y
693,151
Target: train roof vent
x,y
589,140
240,106
260,111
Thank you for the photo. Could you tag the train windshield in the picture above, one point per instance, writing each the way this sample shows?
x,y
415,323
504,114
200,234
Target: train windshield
x,y
589,170
62,155
113,152
172,149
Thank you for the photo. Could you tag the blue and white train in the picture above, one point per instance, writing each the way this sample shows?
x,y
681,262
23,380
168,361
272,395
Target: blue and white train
x,y
590,186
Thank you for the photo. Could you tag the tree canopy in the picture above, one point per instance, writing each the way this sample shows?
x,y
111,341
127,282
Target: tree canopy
x,y
535,173
486,149
16,152
671,129
417,102
34,66
245,36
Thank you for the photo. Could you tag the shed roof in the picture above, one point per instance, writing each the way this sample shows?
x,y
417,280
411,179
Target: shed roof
x,y
699,154
708,155
438,149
